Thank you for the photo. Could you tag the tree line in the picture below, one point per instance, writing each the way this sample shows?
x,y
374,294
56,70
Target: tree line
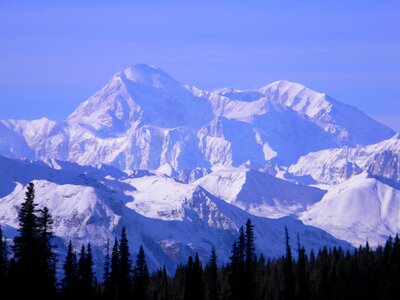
x,y
28,269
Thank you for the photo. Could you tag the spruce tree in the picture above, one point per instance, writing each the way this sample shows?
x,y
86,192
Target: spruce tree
x,y
125,266
106,271
288,285
26,250
141,276
70,280
261,278
85,273
249,283
164,285
81,272
107,263
322,282
159,285
89,275
237,267
198,278
241,246
303,289
46,253
189,292
211,275
114,271
178,284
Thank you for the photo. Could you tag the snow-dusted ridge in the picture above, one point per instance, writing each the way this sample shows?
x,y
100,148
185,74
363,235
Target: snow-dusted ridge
x,y
143,119
172,162
333,166
259,193
362,208
171,219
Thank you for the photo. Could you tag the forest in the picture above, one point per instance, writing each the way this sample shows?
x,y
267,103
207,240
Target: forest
x,y
29,269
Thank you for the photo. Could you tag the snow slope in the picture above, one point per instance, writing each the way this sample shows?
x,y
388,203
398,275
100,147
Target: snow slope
x,y
362,208
172,223
118,152
347,124
259,193
333,166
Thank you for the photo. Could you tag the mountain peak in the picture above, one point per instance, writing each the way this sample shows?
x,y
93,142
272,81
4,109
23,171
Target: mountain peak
x,y
145,74
292,88
396,136
281,83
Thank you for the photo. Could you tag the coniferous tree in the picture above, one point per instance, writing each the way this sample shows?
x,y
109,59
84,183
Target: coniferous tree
x,y
189,281
211,275
249,283
237,267
288,284
396,265
302,290
81,272
107,263
323,268
198,278
70,280
106,272
85,273
362,273
234,271
159,288
114,271
178,283
89,275
26,250
141,276
125,267
164,285
261,277
46,254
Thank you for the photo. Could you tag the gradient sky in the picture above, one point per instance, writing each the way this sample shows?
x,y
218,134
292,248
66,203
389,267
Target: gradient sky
x,y
55,54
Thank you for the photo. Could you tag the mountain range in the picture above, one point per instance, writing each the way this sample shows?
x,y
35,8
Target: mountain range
x,y
183,168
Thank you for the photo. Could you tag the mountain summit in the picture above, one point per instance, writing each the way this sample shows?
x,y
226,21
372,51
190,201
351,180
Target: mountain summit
x,y
143,119
183,168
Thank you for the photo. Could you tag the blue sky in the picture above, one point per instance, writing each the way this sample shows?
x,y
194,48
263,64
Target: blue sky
x,y
55,54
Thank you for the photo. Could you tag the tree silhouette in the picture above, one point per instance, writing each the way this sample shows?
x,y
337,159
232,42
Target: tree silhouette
x,y
114,271
249,283
288,284
34,260
46,254
141,276
211,275
125,266
70,280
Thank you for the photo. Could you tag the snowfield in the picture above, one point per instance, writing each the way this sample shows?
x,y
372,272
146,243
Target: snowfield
x,y
183,168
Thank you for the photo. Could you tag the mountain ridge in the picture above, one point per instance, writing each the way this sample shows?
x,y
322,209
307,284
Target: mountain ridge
x,y
92,206
158,149
143,118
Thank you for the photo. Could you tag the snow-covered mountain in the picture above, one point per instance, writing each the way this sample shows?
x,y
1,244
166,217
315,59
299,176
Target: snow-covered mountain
x,y
172,220
333,166
143,119
259,193
183,168
362,208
